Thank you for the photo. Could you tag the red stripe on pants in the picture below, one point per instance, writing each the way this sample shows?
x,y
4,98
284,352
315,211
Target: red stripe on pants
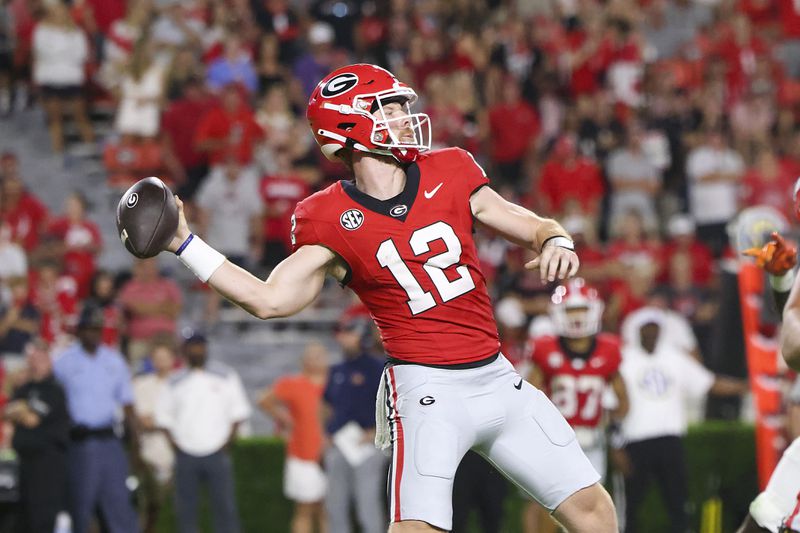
x,y
398,474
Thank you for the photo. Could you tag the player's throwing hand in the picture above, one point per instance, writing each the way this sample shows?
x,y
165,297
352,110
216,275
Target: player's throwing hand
x,y
777,256
555,262
183,230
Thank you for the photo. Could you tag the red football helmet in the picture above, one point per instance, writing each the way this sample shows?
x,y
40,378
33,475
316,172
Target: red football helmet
x,y
346,110
576,309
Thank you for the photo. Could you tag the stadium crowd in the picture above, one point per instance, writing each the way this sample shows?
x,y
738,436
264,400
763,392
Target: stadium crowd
x,y
644,126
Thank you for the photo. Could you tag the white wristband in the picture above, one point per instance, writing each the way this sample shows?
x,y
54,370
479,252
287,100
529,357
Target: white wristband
x,y
201,258
561,242
782,283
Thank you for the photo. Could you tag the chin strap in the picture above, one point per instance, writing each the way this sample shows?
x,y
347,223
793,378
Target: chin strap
x,y
405,155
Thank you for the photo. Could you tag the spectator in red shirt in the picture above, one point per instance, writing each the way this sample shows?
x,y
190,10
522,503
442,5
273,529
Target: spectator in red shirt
x,y
151,304
77,242
179,123
588,55
570,183
513,130
280,192
228,129
768,183
24,213
740,51
683,241
54,296
632,249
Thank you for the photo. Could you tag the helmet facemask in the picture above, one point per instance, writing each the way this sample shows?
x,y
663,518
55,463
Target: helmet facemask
x,y
384,136
576,313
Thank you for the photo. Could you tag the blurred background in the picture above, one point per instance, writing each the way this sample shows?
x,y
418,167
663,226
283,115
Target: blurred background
x,y
643,126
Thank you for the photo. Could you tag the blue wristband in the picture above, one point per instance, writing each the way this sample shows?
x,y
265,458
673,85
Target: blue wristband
x,y
185,244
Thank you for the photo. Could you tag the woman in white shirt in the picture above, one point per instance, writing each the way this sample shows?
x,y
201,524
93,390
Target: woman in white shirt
x,y
141,93
60,52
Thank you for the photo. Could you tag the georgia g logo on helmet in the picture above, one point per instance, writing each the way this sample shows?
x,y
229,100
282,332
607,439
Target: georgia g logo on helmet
x,y
339,85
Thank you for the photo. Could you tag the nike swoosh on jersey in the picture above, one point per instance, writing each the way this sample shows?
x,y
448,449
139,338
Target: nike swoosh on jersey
x,y
430,194
518,386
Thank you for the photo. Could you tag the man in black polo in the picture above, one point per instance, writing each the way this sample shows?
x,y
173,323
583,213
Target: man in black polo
x,y
38,411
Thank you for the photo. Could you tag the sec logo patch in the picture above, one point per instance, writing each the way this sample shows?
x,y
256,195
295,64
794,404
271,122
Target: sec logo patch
x,y
352,219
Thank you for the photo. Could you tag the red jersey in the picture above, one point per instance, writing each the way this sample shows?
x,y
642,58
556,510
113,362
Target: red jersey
x,y
82,240
576,385
580,182
412,259
25,219
513,125
57,304
239,129
280,193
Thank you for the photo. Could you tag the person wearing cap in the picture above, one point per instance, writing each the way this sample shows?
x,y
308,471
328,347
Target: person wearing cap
x,y
312,66
659,377
97,384
349,415
38,411
201,409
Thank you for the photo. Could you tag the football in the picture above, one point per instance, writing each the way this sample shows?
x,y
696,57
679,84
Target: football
x,y
147,217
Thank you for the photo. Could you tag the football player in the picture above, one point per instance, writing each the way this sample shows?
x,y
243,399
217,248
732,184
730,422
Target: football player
x,y
577,367
400,235
777,509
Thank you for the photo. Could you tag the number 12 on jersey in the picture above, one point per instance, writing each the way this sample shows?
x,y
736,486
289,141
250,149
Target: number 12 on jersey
x,y
420,300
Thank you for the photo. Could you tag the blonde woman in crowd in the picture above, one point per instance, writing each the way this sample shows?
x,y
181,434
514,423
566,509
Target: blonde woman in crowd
x,y
121,39
141,92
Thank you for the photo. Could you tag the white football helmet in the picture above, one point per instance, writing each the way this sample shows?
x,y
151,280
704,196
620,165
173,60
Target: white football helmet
x,y
576,309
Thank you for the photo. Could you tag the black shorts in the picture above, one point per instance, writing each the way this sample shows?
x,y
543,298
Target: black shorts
x,y
61,92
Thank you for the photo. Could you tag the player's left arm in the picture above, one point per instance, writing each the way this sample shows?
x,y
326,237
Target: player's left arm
x,y
525,228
